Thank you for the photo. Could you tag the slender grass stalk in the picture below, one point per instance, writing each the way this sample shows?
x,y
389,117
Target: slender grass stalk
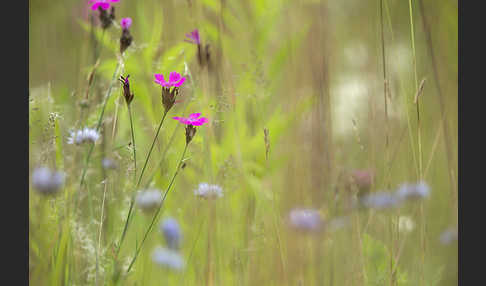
x,y
181,280
99,232
137,251
132,200
100,119
133,142
419,140
151,148
445,128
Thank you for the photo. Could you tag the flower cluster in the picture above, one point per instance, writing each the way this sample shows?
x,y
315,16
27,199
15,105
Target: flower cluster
x,y
193,120
126,38
103,5
386,200
203,54
86,135
207,191
47,181
170,89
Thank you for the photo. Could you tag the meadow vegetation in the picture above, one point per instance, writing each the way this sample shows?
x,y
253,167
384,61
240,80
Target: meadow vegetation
x,y
228,142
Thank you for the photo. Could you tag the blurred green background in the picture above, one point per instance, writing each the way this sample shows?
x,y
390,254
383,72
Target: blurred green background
x,y
312,72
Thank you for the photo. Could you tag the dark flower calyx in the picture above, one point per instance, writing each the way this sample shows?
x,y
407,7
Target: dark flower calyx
x,y
190,132
126,89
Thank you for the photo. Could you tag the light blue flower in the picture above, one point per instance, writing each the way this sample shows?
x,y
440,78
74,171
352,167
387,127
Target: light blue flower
x,y
172,233
47,181
168,258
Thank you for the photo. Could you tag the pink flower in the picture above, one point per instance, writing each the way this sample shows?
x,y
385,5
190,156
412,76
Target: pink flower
x,y
104,4
193,119
126,23
175,79
193,37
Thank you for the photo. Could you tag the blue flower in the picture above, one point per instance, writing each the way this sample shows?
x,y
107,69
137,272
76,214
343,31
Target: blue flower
x,y
380,201
305,219
172,233
47,181
168,258
413,191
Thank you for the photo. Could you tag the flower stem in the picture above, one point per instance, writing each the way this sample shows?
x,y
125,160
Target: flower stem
x,y
100,119
151,148
127,220
137,251
133,142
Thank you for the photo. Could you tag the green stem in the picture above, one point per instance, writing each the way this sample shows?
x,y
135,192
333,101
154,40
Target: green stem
x,y
133,142
137,251
127,220
100,119
151,148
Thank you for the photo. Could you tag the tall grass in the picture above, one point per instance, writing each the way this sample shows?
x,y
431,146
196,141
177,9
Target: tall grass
x,y
299,94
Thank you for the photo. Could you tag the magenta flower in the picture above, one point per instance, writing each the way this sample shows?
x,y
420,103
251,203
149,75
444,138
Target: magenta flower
x,y
104,4
193,37
175,79
126,23
193,119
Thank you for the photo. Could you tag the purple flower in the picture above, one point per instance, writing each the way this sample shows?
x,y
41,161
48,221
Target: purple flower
x,y
363,178
172,233
193,37
175,79
47,181
104,4
380,201
305,219
126,23
413,191
193,119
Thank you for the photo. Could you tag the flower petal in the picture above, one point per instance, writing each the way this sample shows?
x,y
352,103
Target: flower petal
x,y
160,79
174,77
194,116
181,81
181,119
200,121
126,22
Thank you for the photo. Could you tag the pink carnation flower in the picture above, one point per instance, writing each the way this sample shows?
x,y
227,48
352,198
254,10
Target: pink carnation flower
x,y
104,4
126,23
193,37
175,79
193,119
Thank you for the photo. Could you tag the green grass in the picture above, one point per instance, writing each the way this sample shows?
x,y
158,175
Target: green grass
x,y
312,73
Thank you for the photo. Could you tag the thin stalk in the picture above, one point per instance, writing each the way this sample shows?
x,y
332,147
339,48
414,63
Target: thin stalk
x,y
127,220
100,119
133,142
387,169
137,251
151,148
422,229
442,106
100,230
